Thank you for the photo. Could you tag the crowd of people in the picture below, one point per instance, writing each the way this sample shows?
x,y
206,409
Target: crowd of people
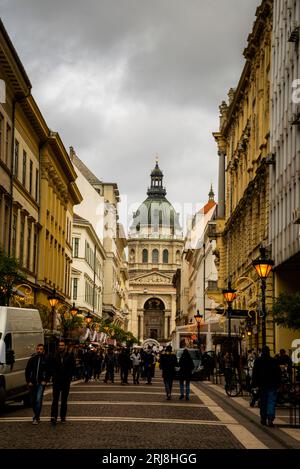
x,y
88,362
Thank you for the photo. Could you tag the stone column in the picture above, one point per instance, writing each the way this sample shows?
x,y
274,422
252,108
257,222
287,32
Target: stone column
x,y
166,326
221,186
142,327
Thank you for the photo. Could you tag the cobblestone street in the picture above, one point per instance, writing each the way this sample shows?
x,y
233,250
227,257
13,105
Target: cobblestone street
x,y
139,416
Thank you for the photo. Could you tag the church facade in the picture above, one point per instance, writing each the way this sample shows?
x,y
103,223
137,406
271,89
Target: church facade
x,y
155,246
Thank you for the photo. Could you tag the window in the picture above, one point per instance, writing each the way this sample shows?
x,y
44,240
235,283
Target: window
x,y
34,250
75,247
14,235
165,256
1,134
30,176
22,233
75,288
7,143
28,247
145,256
16,161
24,168
36,184
155,256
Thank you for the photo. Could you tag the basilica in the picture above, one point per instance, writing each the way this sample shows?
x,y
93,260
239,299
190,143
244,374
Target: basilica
x,y
155,244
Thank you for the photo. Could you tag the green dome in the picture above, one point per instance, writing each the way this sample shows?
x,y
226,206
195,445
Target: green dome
x,y
156,212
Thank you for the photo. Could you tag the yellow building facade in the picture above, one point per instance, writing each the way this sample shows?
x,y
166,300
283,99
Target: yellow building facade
x,y
58,195
242,225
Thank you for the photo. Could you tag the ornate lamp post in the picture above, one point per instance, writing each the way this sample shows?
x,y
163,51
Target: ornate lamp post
x,y
229,296
53,300
263,267
198,317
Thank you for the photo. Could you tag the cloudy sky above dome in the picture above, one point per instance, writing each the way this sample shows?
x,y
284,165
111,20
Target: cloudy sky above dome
x,y
124,80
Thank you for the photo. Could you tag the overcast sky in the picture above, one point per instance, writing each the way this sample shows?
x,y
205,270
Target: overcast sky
x,y
124,80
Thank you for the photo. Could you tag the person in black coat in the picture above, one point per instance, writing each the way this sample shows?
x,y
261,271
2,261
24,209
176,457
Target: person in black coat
x,y
125,365
62,367
168,363
37,376
266,376
186,366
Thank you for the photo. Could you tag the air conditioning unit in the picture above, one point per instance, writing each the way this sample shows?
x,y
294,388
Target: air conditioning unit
x,y
296,217
294,32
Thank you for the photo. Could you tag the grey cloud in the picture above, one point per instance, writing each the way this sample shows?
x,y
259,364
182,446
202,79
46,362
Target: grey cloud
x,y
124,79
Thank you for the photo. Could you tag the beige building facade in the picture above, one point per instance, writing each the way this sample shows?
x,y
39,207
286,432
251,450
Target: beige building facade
x,y
243,140
100,208
87,267
154,247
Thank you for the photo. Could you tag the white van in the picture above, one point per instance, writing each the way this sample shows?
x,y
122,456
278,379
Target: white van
x,y
20,331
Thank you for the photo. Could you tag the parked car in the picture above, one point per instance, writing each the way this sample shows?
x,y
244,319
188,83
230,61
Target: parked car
x,y
197,373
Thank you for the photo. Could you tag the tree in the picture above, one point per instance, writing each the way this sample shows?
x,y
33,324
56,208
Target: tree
x,y
286,310
9,276
70,325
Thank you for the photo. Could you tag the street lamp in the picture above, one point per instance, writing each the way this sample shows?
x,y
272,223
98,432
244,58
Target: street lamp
x,y
229,295
88,319
198,318
74,311
263,267
53,300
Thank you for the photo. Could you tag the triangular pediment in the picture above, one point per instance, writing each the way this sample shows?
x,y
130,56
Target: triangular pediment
x,y
151,278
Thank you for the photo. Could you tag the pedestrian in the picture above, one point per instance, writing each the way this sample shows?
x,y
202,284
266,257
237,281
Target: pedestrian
x,y
62,367
148,360
110,363
136,363
228,368
186,366
88,359
125,364
97,364
37,375
208,365
168,363
266,376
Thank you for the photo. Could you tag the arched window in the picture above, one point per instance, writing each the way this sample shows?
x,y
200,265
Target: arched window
x,y
155,256
166,256
178,256
145,256
132,255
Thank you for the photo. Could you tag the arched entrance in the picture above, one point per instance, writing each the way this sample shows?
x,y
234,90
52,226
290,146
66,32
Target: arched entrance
x,y
154,319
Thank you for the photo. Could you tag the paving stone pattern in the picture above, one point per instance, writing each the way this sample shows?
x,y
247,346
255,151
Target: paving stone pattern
x,y
117,433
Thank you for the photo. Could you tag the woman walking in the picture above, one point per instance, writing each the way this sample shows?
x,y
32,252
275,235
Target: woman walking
x,y
186,366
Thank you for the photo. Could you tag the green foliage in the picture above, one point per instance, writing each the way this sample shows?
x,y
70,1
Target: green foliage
x,y
286,310
46,315
9,276
70,325
116,332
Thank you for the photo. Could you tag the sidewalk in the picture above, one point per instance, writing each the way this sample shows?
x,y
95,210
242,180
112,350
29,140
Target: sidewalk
x,y
242,406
